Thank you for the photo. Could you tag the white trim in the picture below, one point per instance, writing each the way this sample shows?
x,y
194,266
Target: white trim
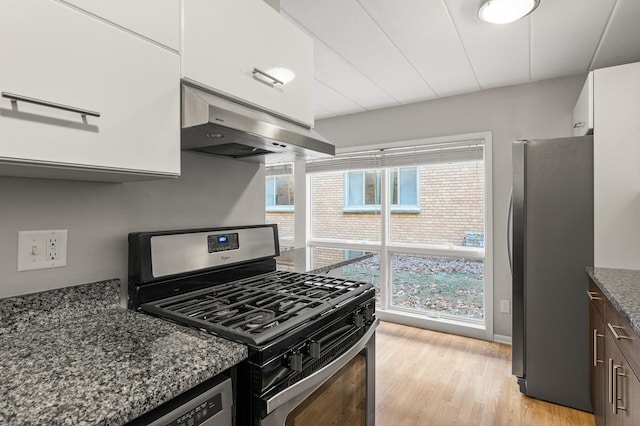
x,y
443,325
499,338
488,234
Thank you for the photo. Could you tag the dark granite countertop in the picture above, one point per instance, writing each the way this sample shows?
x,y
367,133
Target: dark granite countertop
x,y
318,260
73,356
622,288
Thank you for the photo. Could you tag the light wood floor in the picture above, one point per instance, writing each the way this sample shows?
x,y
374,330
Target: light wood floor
x,y
429,378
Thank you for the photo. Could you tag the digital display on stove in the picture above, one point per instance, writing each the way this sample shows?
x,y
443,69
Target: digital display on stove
x,y
222,242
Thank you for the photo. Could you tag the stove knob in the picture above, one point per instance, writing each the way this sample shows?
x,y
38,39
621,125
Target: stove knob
x,y
368,313
314,350
295,363
358,320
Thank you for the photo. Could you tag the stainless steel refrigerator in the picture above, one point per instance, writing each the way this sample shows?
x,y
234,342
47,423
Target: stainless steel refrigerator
x,y
551,231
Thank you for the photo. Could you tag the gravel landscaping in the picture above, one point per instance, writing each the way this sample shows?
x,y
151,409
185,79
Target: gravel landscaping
x,y
451,286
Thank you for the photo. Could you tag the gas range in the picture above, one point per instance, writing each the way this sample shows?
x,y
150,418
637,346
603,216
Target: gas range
x,y
223,281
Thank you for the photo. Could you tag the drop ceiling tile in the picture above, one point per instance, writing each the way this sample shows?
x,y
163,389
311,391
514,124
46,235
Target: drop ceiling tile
x,y
320,113
565,35
338,74
425,34
621,41
333,102
345,27
499,54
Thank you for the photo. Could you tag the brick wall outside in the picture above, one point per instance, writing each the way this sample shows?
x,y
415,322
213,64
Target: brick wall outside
x,y
285,226
451,205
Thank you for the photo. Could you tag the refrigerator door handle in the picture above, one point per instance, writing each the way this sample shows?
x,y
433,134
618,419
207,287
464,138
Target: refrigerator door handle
x,y
510,231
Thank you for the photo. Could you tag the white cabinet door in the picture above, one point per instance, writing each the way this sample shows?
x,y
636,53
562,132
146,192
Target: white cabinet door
x,y
61,55
156,20
223,41
583,111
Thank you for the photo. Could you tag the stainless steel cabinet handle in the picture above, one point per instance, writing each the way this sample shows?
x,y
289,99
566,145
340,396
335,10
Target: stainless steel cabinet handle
x,y
610,374
615,333
579,124
269,76
615,397
595,347
15,98
593,295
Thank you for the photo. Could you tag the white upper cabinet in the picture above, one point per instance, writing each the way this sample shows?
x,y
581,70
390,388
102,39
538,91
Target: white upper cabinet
x,y
583,111
57,54
155,20
227,44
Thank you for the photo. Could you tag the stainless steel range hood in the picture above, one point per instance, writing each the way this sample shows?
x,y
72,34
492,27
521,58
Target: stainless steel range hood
x,y
218,126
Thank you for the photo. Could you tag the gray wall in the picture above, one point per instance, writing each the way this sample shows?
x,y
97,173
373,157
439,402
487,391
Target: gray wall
x,y
537,110
211,192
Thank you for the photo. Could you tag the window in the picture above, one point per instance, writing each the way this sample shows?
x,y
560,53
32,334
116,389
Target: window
x,y
279,197
279,193
433,267
362,190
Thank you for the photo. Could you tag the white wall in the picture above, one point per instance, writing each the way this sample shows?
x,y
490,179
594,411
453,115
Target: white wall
x,y
616,177
536,110
211,192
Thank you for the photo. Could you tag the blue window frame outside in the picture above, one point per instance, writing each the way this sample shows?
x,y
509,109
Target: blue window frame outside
x,y
362,190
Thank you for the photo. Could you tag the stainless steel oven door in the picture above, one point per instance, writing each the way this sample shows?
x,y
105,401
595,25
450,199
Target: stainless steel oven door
x,y
348,380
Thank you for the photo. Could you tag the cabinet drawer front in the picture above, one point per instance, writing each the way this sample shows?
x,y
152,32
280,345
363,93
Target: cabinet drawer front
x,y
627,340
247,35
64,56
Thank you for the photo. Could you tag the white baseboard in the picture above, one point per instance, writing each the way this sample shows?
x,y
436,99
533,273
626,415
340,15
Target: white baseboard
x,y
499,338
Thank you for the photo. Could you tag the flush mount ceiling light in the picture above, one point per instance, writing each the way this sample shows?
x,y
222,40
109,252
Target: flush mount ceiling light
x,y
505,11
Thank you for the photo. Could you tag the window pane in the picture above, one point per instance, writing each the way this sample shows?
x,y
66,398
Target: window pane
x,y
279,201
451,203
354,195
438,285
394,186
270,191
372,188
408,187
284,190
328,216
367,270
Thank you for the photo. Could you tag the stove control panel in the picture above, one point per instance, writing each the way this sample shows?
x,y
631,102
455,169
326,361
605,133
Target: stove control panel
x,y
222,242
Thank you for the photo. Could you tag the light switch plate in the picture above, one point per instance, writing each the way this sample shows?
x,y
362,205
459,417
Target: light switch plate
x,y
42,249
505,306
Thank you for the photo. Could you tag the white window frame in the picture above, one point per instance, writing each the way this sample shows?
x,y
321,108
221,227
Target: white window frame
x,y
444,323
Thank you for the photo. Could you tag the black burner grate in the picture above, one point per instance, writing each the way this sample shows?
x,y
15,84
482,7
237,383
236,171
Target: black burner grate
x,y
257,309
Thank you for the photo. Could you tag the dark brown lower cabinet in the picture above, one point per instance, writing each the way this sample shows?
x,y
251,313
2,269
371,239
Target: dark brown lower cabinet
x,y
598,360
615,356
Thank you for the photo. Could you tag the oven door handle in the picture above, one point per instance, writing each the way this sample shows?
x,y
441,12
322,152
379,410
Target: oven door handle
x,y
319,377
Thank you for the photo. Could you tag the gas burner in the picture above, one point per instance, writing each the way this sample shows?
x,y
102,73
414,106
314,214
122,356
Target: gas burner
x,y
316,293
260,320
220,315
215,311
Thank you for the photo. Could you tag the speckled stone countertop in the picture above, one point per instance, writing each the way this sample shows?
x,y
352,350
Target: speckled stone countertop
x,y
322,259
622,288
73,356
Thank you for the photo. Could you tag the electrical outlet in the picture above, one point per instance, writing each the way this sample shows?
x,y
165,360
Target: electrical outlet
x,y
505,306
42,249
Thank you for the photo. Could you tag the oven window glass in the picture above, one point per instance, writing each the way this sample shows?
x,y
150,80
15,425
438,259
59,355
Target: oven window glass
x,y
341,400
